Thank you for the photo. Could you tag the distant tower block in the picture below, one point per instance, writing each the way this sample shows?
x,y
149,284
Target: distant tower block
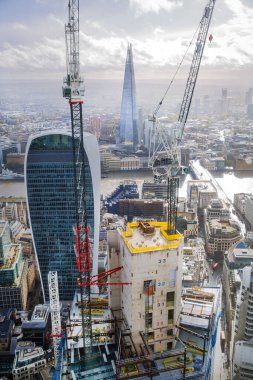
x,y
128,127
50,199
152,262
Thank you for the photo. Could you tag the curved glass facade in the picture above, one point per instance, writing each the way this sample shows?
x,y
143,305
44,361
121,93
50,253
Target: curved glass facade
x,y
50,193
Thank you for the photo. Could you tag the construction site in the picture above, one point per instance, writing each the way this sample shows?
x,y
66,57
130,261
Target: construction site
x,y
133,321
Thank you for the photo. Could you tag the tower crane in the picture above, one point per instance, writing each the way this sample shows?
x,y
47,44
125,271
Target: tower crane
x,y
73,91
164,157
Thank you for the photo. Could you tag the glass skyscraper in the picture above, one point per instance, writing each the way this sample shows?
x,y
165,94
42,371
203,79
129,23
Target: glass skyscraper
x,y
128,126
50,197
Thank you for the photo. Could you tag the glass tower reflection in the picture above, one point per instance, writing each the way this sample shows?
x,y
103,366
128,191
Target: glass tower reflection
x,y
50,196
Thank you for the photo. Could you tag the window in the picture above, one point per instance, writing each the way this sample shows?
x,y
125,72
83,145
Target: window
x,y
172,278
170,299
170,317
149,320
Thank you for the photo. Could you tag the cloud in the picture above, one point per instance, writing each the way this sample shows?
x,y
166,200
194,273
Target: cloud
x,y
47,55
18,26
145,6
233,40
104,48
55,19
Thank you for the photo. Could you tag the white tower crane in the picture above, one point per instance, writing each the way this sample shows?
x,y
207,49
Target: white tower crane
x,y
55,312
164,157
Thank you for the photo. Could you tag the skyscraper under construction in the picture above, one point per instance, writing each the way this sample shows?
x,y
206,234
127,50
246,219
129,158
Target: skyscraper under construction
x,y
128,126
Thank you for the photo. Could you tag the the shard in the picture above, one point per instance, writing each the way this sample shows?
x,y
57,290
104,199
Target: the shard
x,y
128,126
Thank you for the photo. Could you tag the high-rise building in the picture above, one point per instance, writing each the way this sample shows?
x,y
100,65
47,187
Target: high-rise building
x,y
13,271
151,261
51,209
128,127
244,306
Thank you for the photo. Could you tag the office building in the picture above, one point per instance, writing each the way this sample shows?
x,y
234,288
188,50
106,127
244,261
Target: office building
x,y
128,126
240,203
152,263
220,236
125,190
242,360
249,209
244,306
13,272
237,257
217,210
38,327
30,361
141,208
7,317
50,197
151,189
200,193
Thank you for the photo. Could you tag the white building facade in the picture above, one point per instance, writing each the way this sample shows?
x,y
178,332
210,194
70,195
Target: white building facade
x,y
152,263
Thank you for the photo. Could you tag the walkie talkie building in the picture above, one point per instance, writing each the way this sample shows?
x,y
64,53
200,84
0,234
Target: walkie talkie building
x,y
50,198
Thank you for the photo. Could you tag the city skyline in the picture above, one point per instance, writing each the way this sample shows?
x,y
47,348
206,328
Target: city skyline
x,y
32,37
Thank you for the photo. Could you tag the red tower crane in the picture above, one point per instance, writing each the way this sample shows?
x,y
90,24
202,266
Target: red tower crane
x,y
73,90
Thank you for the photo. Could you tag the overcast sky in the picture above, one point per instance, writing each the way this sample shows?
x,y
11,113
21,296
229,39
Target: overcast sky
x,y
32,37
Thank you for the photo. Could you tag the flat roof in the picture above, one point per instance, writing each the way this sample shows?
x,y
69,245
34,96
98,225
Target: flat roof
x,y
12,256
155,238
40,313
29,354
199,304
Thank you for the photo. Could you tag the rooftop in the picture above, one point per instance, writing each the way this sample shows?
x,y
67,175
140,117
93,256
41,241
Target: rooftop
x,y
12,257
143,237
198,306
224,228
40,313
240,251
26,356
39,318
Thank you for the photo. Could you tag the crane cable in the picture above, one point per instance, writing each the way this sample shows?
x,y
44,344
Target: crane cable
x,y
175,74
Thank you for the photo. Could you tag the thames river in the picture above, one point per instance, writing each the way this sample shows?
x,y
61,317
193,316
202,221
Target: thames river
x,y
230,183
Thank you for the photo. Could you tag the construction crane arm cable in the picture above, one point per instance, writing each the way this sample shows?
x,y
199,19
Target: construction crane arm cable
x,y
175,74
194,70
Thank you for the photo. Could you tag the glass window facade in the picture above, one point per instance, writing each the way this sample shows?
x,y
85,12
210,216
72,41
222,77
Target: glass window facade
x,y
50,193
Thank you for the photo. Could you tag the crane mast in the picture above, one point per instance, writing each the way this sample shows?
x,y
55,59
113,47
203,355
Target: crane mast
x,y
165,157
55,312
73,90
